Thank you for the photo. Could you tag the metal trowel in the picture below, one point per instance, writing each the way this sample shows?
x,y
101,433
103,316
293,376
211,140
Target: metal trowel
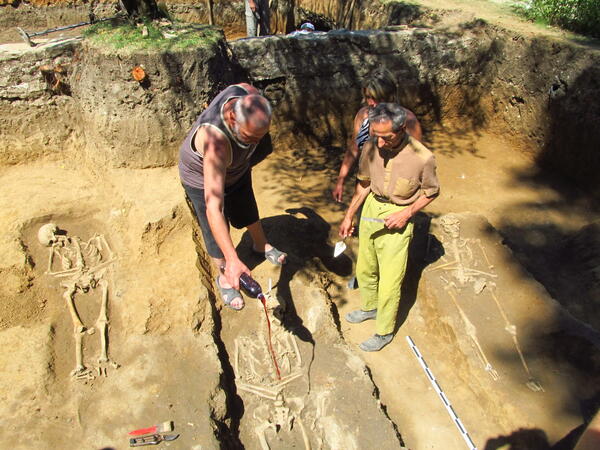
x,y
339,248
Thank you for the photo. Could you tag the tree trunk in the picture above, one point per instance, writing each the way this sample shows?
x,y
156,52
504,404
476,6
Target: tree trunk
x,y
209,6
140,9
283,20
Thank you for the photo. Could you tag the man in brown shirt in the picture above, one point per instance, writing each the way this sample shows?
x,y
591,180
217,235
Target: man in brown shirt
x,y
397,177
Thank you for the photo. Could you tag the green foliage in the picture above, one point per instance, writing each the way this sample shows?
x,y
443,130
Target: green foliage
x,y
581,16
128,37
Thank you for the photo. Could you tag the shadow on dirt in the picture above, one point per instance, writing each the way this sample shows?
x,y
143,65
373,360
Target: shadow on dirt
x,y
571,146
536,439
522,439
425,249
581,360
314,103
228,433
304,236
560,257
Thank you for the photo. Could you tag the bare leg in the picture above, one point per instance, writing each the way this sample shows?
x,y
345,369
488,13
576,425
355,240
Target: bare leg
x,y
259,240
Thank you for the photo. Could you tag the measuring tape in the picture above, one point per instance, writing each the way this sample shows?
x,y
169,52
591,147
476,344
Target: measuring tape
x,y
441,394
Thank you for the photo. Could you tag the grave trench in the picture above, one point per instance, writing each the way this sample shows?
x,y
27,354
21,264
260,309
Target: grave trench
x,y
272,84
278,86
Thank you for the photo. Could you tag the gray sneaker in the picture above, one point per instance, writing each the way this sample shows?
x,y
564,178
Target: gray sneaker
x,y
376,342
359,315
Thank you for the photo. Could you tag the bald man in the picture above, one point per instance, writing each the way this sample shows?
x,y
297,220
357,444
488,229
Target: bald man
x,y
215,167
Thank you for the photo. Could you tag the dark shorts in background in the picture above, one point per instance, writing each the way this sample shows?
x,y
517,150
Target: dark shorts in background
x,y
240,210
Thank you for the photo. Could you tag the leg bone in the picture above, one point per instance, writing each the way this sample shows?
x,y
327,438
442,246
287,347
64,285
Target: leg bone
x,y
79,367
68,296
102,324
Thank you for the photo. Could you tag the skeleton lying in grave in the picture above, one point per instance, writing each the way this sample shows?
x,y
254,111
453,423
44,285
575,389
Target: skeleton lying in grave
x,y
255,374
461,275
83,268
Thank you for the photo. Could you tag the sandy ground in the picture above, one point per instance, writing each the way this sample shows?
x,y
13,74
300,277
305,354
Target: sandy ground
x,y
157,295
144,219
478,174
486,182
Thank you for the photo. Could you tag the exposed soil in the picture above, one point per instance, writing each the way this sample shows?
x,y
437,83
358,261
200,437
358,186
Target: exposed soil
x,y
176,345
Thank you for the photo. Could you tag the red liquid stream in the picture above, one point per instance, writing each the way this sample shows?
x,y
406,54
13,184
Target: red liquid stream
x,y
262,298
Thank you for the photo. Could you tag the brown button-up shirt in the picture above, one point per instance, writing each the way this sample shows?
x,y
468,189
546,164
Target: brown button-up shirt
x,y
401,175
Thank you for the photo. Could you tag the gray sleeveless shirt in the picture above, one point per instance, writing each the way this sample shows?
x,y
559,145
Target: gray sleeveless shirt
x,y
191,167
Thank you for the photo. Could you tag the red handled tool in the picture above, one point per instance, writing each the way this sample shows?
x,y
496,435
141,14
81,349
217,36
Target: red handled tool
x,y
160,428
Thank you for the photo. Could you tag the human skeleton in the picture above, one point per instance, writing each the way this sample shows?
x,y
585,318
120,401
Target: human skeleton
x,y
461,275
84,266
279,412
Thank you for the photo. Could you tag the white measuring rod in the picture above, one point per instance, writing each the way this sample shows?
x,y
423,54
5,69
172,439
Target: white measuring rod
x,y
438,389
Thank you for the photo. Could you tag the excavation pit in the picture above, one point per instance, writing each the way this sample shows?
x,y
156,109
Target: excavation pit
x,y
510,339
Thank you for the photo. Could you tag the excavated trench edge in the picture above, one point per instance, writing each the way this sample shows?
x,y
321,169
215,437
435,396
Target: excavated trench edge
x,y
325,281
226,428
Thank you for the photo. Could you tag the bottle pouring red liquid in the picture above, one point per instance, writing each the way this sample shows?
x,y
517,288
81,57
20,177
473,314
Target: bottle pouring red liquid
x,y
251,286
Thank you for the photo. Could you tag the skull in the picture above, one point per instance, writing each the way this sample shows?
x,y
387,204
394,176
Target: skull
x,y
451,225
47,234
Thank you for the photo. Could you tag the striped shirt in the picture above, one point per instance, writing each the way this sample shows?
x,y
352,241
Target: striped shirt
x,y
363,133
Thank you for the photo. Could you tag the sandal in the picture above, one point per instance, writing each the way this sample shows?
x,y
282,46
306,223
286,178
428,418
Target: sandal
x,y
273,256
228,295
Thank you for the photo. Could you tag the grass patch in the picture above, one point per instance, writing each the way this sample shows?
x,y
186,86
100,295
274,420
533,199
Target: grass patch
x,y
176,36
580,16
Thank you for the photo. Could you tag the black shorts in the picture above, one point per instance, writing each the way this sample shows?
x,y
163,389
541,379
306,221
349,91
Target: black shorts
x,y
240,210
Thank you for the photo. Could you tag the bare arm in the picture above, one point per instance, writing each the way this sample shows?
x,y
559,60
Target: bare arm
x,y
413,126
216,155
360,194
350,156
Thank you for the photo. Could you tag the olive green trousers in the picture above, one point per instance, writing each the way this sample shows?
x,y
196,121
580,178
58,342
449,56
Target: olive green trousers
x,y
381,265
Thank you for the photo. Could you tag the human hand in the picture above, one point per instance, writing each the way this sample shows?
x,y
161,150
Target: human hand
x,y
398,219
252,5
233,269
338,191
346,228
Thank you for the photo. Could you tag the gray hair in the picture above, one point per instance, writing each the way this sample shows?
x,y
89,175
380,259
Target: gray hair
x,y
384,112
253,108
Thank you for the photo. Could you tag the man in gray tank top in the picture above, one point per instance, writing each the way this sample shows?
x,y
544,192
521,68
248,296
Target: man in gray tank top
x,y
215,167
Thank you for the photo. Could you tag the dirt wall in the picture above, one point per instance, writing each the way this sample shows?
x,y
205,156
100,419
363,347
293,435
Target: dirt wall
x,y
37,114
140,124
533,91
39,15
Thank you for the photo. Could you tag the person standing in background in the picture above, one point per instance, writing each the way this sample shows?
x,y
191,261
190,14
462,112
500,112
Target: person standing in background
x,y
257,18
